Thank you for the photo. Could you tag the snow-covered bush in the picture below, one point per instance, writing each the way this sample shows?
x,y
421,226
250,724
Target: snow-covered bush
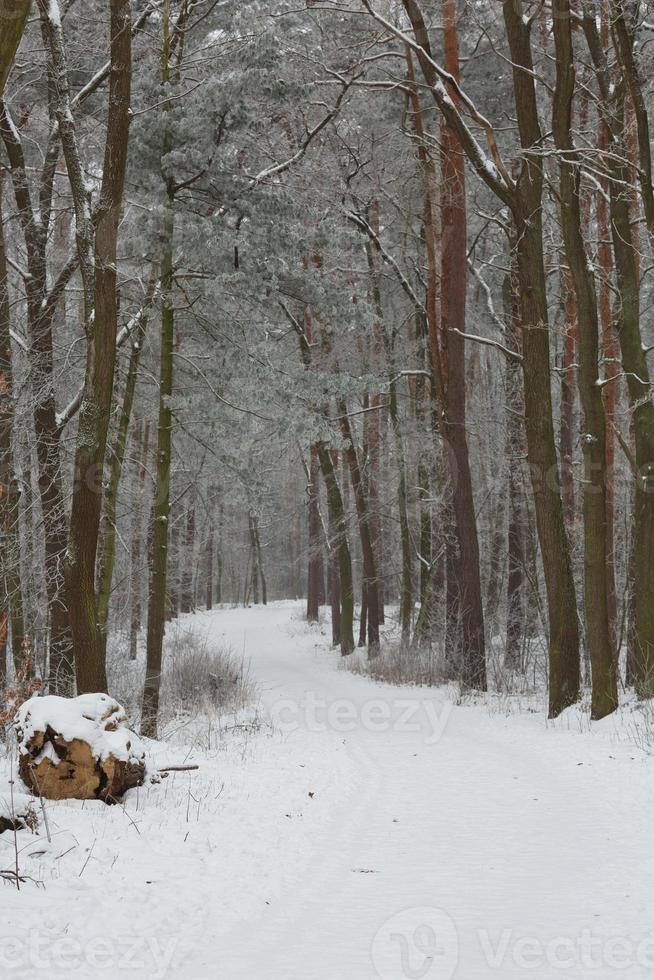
x,y
201,677
399,664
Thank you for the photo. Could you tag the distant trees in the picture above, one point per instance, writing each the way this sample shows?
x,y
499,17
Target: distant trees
x,y
398,356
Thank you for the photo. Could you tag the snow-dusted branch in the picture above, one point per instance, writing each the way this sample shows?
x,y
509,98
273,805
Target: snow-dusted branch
x,y
363,225
490,306
513,355
72,408
279,168
490,168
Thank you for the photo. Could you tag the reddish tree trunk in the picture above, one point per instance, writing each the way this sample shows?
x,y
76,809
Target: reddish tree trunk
x,y
463,563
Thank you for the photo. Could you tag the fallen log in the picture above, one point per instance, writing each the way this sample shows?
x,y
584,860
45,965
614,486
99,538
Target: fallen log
x,y
78,748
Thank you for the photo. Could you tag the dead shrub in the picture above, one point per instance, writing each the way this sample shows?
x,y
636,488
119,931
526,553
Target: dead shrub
x,y
200,677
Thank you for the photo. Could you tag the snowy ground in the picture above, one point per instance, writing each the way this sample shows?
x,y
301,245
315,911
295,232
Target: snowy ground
x,y
366,832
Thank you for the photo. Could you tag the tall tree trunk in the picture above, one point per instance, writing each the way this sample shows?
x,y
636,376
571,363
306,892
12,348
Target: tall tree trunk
x,y
611,357
340,545
315,584
427,335
41,307
334,568
524,199
138,568
219,557
209,568
187,563
108,543
516,599
161,508
262,575
603,662
566,437
564,661
406,580
100,308
254,561
635,366
465,558
9,497
373,421
370,583
381,332
633,354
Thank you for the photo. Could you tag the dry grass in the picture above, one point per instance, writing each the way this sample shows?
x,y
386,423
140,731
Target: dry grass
x,y
200,679
399,664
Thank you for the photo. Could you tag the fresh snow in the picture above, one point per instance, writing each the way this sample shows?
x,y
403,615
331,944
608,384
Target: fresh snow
x,y
356,831
93,718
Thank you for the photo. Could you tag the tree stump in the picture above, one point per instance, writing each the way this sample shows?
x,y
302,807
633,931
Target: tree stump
x,y
78,748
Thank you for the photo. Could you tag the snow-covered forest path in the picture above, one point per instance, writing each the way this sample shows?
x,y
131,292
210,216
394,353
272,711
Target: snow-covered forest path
x,y
451,842
368,832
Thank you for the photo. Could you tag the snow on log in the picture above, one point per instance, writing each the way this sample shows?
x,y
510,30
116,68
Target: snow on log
x,y
78,748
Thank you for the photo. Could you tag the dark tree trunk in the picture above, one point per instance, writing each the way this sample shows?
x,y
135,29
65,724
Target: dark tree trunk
x,y
363,617
525,200
335,594
516,599
464,557
99,287
161,507
370,583
262,576
12,612
41,307
138,567
316,580
634,359
566,435
564,663
108,546
598,635
209,569
340,544
188,563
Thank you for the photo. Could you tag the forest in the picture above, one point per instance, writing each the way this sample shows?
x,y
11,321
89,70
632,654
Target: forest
x,y
327,450
346,301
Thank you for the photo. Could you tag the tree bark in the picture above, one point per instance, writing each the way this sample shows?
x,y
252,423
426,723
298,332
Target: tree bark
x,y
334,566
370,583
161,508
108,545
516,600
138,568
464,558
524,200
566,436
633,354
209,569
41,307
262,575
101,316
187,564
603,661
315,586
9,497
564,661
337,520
